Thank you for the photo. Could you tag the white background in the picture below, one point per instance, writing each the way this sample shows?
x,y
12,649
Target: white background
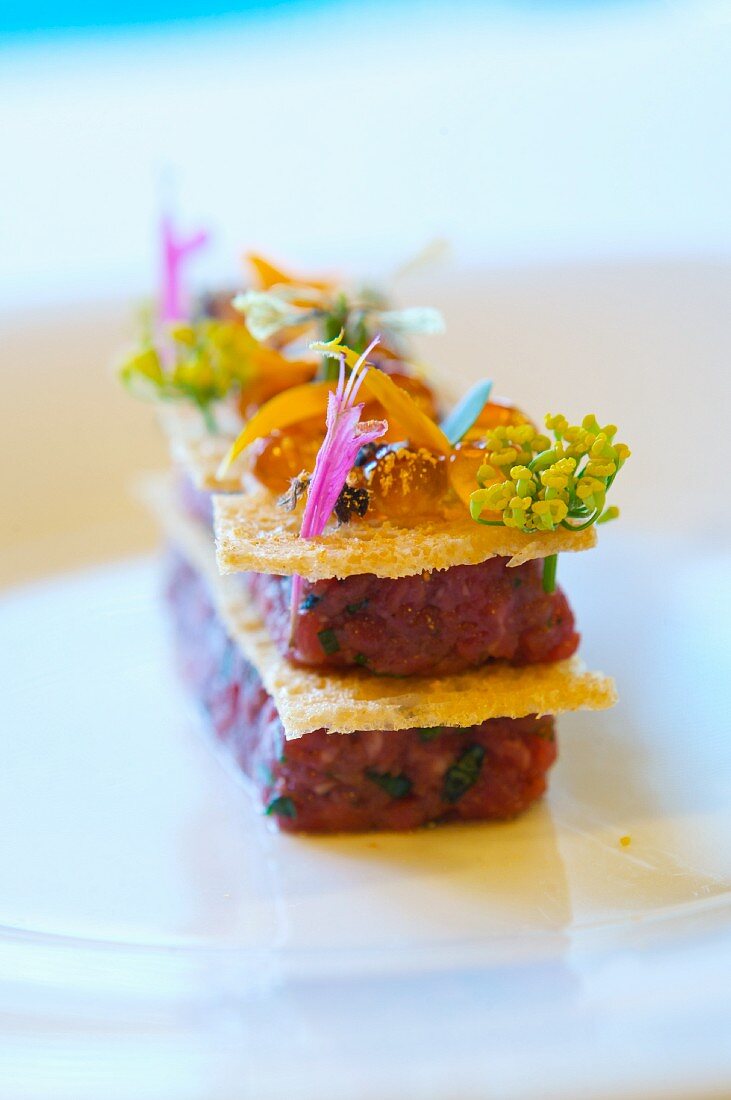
x,y
522,133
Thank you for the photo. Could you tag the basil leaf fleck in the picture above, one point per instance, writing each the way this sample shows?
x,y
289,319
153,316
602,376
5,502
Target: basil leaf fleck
x,y
398,786
281,807
463,773
428,733
328,641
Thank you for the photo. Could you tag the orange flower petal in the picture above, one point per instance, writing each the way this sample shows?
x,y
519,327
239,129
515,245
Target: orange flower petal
x,y
268,275
400,406
286,408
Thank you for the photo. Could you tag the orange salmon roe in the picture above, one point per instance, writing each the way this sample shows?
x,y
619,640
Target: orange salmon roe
x,y
277,458
405,483
496,414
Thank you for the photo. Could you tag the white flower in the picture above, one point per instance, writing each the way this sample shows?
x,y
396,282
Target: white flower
x,y
411,322
267,313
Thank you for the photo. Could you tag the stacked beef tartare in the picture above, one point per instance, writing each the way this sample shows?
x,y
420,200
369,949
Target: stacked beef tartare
x,y
366,779
461,629
363,595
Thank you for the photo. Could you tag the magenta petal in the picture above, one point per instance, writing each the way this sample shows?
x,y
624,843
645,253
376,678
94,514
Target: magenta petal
x,y
338,452
175,251
344,438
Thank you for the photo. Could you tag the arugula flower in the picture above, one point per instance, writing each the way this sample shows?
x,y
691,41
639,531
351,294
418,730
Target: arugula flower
x,y
268,312
534,484
344,438
285,308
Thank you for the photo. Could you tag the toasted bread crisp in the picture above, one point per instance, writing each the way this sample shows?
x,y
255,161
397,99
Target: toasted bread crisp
x,y
198,452
356,700
254,534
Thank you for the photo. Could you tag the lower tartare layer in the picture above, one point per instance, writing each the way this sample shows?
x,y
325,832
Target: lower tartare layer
x,y
374,779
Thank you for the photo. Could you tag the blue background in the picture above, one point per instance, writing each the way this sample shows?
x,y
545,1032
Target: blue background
x,y
45,16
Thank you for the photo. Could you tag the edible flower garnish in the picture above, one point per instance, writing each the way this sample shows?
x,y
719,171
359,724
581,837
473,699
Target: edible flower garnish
x,y
399,405
174,251
307,401
269,312
466,411
203,362
534,484
344,438
198,362
287,308
268,275
290,407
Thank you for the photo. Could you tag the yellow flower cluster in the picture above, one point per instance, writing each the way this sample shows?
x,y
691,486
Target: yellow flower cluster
x,y
534,484
207,360
200,361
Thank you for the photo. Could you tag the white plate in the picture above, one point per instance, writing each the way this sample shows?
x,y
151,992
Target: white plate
x,y
160,941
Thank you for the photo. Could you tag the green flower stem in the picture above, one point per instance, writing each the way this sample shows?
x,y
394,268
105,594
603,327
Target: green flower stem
x,y
329,370
579,526
542,460
549,573
208,418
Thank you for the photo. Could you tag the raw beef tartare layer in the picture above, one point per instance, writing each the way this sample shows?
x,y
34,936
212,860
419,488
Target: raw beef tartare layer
x,y
435,623
330,782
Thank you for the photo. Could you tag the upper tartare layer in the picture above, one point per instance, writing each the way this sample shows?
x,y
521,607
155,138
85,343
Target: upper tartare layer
x,y
345,701
254,535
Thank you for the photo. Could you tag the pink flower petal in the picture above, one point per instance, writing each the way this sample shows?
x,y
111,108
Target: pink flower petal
x,y
175,251
345,437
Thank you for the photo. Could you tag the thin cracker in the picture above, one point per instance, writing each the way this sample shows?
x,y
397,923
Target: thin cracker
x,y
199,452
345,701
253,534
